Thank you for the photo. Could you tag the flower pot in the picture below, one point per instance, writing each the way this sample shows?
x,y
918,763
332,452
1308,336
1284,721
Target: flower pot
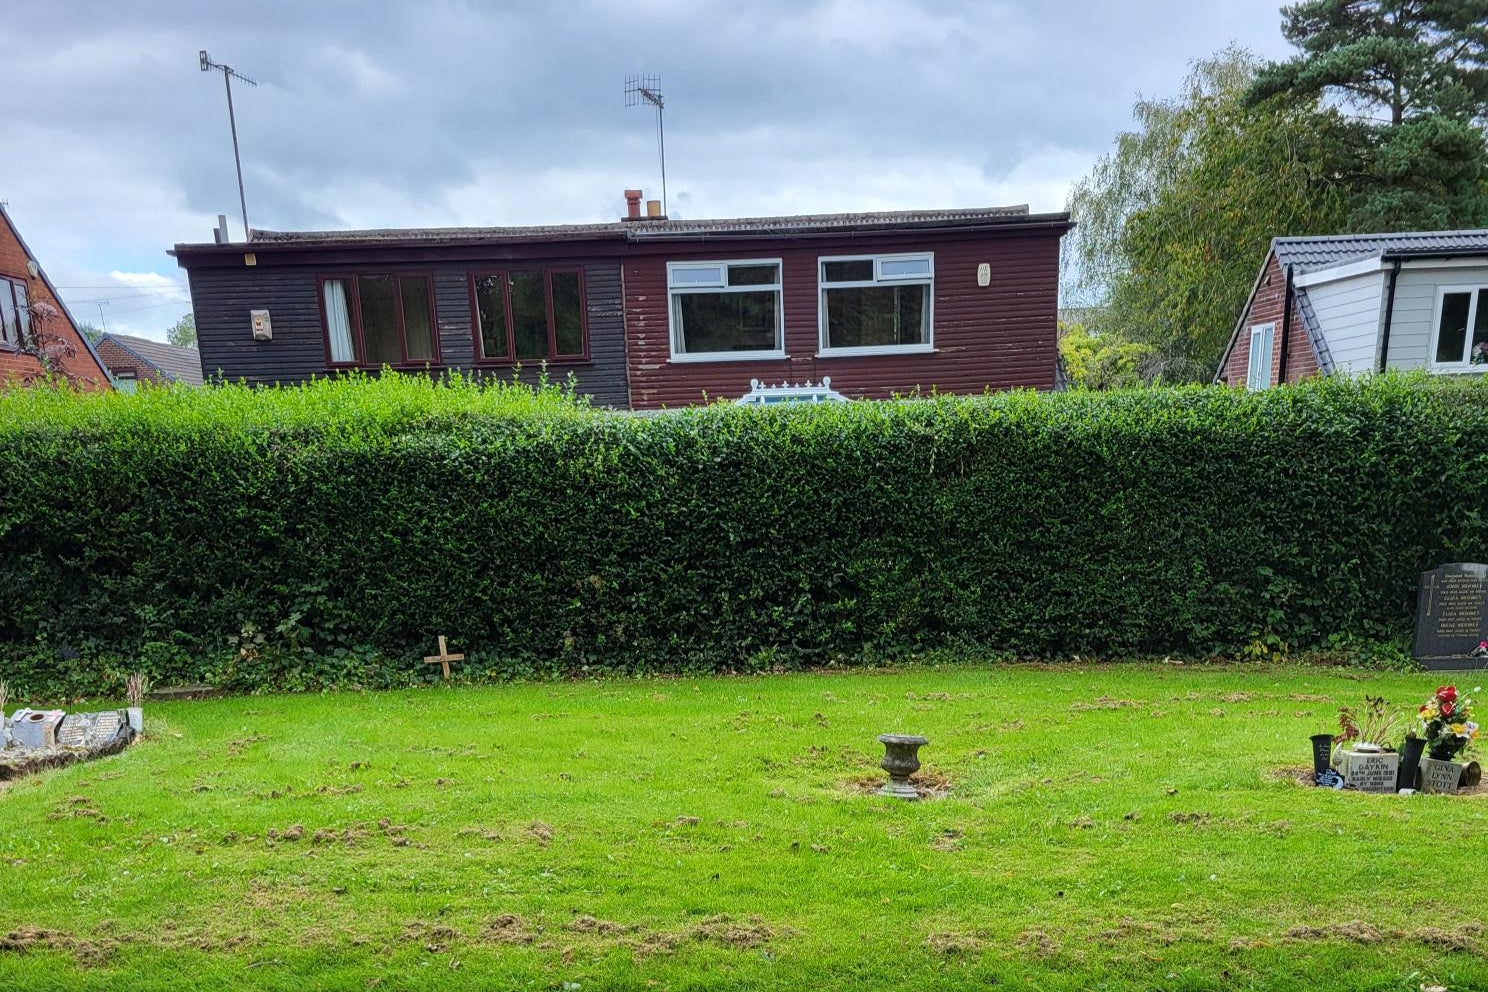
x,y
1410,762
1440,776
1322,754
901,760
136,718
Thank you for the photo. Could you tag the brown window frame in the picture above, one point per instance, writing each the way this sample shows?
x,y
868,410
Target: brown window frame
x,y
354,314
548,272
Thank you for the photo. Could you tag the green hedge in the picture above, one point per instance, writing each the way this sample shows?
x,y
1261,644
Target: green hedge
x,y
323,535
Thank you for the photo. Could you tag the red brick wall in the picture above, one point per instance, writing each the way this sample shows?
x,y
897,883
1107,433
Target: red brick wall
x,y
1000,336
15,365
1266,307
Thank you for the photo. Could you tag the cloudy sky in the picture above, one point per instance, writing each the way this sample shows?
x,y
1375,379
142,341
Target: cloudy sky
x,y
377,114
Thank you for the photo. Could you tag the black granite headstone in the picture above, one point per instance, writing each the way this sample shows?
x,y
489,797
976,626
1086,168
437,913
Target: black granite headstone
x,y
1452,617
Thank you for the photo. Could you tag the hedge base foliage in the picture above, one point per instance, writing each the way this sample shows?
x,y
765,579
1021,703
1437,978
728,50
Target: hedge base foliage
x,y
324,535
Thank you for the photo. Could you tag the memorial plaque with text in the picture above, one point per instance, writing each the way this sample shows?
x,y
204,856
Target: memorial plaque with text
x,y
1452,617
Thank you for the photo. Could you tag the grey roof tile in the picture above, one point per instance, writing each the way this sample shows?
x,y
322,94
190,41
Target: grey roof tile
x,y
1308,254
177,364
1314,331
645,230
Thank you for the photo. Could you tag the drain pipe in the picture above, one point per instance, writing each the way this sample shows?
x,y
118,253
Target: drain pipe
x,y
1286,328
1389,316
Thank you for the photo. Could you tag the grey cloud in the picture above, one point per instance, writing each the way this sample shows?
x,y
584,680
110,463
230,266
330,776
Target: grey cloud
x,y
449,112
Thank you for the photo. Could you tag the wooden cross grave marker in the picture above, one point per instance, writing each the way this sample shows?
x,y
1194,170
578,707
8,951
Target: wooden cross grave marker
x,y
443,658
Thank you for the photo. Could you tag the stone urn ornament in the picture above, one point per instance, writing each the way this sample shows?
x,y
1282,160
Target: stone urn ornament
x,y
901,760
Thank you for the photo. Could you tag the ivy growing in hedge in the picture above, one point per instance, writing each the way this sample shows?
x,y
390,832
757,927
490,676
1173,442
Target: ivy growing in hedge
x,y
325,534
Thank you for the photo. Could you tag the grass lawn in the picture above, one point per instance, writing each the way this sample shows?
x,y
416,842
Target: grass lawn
x,y
1111,828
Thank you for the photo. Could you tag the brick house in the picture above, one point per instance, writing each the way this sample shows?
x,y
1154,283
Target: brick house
x,y
644,311
132,360
1358,303
33,321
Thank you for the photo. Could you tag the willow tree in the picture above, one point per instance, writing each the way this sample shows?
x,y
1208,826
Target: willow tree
x,y
1174,221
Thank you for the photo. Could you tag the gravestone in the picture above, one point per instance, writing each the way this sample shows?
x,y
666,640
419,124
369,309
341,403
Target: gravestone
x,y
1440,776
1369,771
89,729
1452,617
35,728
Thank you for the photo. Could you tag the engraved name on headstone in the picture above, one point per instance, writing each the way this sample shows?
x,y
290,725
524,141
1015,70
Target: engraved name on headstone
x,y
1369,772
1439,776
1452,616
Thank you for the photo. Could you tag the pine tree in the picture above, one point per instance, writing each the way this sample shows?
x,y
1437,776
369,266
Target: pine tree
x,y
1416,73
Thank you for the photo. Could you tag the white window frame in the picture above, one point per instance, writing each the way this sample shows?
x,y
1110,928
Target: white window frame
x,y
824,350
20,314
720,285
1436,315
1268,330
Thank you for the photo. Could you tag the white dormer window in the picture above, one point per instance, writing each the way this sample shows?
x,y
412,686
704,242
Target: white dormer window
x,y
1459,339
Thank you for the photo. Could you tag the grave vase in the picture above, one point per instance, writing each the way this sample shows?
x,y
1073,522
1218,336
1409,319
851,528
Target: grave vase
x,y
1322,753
136,718
1410,761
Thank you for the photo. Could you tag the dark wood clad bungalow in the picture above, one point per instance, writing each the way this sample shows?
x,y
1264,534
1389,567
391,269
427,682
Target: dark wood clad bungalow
x,y
649,312
285,306
956,301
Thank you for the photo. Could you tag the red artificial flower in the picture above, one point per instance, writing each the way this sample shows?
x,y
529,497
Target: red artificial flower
x,y
1446,709
1448,693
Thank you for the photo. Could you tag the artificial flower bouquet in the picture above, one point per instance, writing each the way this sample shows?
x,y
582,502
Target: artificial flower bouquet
x,y
1446,724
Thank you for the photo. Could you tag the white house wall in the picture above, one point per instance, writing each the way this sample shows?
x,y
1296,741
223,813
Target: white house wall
x,y
1415,307
1348,312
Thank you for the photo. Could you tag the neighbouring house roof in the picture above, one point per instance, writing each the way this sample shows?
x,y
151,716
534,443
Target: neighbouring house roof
x,y
637,231
148,359
1310,254
1315,253
1314,331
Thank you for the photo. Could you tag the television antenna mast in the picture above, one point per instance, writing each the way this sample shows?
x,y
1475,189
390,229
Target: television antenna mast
x,y
228,75
641,91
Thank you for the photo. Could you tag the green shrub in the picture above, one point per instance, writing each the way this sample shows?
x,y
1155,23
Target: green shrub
x,y
323,535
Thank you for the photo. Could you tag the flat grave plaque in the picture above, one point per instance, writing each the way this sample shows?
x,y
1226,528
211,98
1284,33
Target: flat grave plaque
x,y
1452,617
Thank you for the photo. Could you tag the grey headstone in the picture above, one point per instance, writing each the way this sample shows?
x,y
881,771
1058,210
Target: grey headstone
x,y
35,728
73,732
1369,772
1440,776
1452,617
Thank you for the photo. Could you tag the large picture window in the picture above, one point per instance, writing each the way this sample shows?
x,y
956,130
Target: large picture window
x,y
15,313
379,319
876,304
530,315
724,311
1460,338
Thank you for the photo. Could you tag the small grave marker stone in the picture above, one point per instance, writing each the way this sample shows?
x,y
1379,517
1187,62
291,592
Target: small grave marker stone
x,y
1369,772
443,658
1439,776
1452,616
